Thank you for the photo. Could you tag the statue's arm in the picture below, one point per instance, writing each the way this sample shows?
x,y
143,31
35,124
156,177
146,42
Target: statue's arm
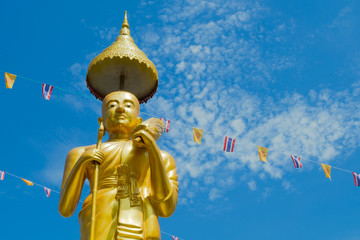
x,y
166,205
163,177
74,177
73,181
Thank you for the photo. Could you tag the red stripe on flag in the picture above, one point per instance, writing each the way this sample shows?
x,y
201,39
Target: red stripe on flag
x,y
292,158
233,144
356,183
51,88
225,143
43,90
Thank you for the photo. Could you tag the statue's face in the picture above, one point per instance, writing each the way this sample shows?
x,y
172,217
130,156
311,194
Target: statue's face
x,y
120,111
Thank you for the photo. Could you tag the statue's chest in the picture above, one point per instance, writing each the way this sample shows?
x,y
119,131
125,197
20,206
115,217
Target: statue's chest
x,y
123,153
136,160
128,166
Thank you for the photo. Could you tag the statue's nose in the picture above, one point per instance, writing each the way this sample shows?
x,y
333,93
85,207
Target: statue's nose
x,y
120,109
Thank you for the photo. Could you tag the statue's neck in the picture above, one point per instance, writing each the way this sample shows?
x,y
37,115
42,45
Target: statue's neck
x,y
118,136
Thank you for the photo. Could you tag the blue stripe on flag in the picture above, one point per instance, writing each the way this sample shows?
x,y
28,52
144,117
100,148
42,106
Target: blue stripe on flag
x,y
228,145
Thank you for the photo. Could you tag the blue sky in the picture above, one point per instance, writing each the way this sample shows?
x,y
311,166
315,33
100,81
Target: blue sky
x,y
281,74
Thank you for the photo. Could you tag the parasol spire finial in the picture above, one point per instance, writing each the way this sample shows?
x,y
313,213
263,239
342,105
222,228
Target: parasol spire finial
x,y
125,28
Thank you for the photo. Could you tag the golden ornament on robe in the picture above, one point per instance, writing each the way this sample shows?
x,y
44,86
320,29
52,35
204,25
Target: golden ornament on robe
x,y
122,66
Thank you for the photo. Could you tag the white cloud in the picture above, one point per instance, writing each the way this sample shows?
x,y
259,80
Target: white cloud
x,y
214,194
108,33
206,54
78,72
286,185
252,185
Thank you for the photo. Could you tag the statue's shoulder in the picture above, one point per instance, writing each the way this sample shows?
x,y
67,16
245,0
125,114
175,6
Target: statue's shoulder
x,y
79,150
169,161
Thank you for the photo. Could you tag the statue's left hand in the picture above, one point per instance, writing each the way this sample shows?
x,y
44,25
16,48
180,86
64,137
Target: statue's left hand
x,y
141,138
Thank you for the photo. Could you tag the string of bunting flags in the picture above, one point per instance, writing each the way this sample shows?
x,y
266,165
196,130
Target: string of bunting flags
x,y
229,142
46,94
28,182
46,88
48,191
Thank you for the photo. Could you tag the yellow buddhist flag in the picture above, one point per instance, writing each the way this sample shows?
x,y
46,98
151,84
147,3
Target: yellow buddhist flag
x,y
30,183
262,153
9,80
197,135
327,170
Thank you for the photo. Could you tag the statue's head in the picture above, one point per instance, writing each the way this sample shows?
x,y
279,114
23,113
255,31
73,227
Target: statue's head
x,y
120,111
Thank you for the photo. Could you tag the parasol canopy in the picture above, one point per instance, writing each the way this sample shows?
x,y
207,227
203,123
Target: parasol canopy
x,y
122,66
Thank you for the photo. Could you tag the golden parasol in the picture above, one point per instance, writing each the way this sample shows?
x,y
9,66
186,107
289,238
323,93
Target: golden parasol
x,y
122,66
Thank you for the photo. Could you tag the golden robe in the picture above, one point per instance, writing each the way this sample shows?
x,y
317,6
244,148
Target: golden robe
x,y
119,216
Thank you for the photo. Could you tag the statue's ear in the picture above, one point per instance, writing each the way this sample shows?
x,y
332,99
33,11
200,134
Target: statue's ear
x,y
140,120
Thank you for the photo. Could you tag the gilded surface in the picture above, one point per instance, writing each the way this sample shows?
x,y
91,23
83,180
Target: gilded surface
x,y
124,46
137,181
115,62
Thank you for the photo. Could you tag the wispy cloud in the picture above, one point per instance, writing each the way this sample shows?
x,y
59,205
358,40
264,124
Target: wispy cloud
x,y
205,66
208,56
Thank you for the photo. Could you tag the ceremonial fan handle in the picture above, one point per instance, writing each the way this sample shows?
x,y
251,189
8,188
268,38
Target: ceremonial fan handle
x,y
95,180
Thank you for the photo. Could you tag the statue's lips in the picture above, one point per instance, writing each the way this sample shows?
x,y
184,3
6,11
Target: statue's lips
x,y
122,116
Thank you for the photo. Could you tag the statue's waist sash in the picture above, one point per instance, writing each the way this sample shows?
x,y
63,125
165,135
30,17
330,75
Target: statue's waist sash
x,y
126,184
109,182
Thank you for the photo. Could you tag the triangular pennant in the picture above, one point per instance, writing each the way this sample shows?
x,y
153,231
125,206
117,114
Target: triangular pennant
x,y
9,80
262,153
175,238
30,183
327,170
198,133
2,175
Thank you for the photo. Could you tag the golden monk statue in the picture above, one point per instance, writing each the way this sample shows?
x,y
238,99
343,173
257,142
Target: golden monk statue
x,y
136,182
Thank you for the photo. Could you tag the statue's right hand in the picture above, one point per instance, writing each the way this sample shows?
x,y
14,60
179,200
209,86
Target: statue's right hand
x,y
93,155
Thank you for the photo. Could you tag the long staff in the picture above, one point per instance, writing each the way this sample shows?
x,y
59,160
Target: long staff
x,y
95,180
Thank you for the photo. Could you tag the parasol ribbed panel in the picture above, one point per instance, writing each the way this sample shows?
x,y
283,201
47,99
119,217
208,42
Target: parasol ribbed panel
x,y
122,58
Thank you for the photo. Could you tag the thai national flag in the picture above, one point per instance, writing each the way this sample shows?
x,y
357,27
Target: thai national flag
x,y
356,179
296,161
167,123
46,91
175,238
229,144
47,191
2,175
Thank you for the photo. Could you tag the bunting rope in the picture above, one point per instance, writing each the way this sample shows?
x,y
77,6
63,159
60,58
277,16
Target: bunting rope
x,y
179,123
341,169
39,185
151,115
86,96
228,145
62,89
52,190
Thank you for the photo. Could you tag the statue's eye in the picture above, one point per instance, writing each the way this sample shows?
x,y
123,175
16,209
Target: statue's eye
x,y
128,105
111,105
